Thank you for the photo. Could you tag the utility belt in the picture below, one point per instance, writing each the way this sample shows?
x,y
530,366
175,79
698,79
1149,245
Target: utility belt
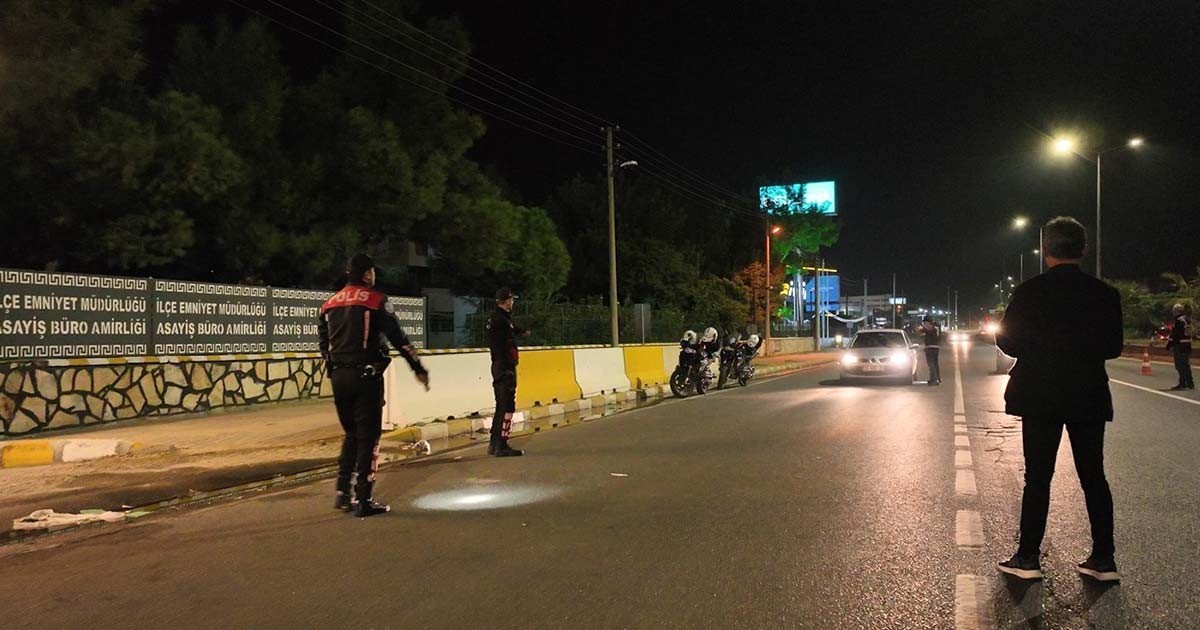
x,y
373,369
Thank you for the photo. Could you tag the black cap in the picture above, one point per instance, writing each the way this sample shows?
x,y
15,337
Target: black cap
x,y
358,265
504,294
927,319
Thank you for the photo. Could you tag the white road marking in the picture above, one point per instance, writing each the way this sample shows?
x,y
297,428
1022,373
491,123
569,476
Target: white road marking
x,y
958,390
964,483
962,459
960,429
960,419
971,611
1155,391
961,440
968,529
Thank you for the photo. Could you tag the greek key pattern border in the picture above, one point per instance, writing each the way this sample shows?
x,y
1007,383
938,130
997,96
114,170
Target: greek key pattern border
x,y
206,288
82,350
208,348
298,346
54,279
407,301
301,294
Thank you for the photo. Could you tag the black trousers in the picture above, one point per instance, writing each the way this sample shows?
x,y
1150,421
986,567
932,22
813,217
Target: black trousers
x,y
504,386
935,370
1040,438
359,403
1183,363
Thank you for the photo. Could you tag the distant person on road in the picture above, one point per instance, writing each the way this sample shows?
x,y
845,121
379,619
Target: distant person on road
x,y
1062,326
502,336
932,334
1180,345
352,326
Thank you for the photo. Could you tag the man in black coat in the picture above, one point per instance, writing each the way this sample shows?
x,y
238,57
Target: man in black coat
x,y
1062,326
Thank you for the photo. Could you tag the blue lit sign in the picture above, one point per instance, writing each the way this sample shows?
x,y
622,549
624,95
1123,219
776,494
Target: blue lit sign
x,y
818,197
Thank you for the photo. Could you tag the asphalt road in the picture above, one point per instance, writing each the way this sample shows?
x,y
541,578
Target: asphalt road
x,y
795,502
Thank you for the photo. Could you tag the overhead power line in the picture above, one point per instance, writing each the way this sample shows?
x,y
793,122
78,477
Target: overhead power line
x,y
593,117
428,75
501,88
587,148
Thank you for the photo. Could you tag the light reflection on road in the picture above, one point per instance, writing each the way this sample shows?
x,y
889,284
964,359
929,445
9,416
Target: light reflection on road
x,y
490,498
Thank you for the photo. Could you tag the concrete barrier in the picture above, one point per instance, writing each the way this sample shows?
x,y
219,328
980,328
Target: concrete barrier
x,y
460,385
600,371
644,366
545,377
791,345
670,358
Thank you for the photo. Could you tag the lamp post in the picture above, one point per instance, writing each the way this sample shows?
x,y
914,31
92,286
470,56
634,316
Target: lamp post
x,y
1065,145
773,230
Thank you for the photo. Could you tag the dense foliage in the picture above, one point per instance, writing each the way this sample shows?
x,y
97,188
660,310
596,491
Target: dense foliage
x,y
225,161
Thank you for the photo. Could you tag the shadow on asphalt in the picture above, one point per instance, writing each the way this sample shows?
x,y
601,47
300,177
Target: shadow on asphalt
x,y
837,382
1025,596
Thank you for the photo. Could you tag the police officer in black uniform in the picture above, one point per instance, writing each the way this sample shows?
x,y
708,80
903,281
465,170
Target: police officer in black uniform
x,y
352,327
502,334
933,342
1180,345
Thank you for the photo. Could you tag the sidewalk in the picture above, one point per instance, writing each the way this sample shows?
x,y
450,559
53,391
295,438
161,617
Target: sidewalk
x,y
181,455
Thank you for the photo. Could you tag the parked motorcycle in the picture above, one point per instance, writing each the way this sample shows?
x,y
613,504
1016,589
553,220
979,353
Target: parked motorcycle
x,y
736,361
692,374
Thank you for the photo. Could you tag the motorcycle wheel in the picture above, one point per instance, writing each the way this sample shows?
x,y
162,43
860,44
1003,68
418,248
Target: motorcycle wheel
x,y
744,380
722,378
679,383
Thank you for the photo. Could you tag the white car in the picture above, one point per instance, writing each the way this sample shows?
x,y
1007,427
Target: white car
x,y
880,354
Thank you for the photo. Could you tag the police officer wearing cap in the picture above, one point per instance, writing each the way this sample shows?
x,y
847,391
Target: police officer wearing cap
x,y
502,334
352,328
933,341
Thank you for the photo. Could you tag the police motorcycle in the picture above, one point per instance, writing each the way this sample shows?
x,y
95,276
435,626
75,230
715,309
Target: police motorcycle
x,y
693,374
736,357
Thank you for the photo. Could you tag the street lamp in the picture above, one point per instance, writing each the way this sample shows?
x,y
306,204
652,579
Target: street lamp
x,y
773,230
1064,145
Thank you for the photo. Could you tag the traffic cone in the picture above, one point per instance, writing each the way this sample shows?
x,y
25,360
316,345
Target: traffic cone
x,y
1146,371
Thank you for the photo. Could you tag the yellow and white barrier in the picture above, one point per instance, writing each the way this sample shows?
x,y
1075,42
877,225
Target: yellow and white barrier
x,y
545,377
644,366
600,371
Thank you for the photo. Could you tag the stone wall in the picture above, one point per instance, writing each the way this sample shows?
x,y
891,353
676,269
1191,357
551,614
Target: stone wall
x,y
38,398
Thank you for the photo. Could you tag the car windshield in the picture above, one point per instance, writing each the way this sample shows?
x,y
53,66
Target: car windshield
x,y
878,340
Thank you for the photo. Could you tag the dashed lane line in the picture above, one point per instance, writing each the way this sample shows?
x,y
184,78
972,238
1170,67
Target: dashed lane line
x,y
968,529
960,419
1155,391
962,459
960,429
971,611
964,483
961,440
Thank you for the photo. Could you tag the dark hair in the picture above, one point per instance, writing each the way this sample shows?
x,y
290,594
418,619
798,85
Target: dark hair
x,y
1064,238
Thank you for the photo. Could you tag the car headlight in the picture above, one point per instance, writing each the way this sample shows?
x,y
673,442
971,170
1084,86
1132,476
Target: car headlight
x,y
849,359
992,328
900,357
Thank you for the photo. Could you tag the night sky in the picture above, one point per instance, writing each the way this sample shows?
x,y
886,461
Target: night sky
x,y
933,117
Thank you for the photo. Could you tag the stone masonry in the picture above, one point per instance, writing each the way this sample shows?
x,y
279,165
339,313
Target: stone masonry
x,y
36,398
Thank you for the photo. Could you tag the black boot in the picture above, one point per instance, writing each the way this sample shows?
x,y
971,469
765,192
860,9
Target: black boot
x,y
504,450
363,509
493,446
342,501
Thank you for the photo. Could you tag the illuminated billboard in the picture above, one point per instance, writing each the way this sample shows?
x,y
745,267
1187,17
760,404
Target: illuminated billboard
x,y
819,197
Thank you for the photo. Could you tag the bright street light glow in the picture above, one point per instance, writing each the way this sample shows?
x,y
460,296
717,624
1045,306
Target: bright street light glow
x,y
776,229
1135,143
1063,146
1020,222
1037,251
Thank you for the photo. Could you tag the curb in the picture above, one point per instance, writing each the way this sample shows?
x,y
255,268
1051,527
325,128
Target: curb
x,y
24,453
442,429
